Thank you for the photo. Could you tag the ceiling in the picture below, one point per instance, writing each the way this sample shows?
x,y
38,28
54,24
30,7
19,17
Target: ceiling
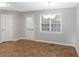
x,y
32,6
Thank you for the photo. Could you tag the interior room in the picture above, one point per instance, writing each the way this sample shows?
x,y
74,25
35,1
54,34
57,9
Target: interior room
x,y
39,29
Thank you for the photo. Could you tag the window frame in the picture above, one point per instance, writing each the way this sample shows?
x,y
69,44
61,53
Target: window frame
x,y
50,25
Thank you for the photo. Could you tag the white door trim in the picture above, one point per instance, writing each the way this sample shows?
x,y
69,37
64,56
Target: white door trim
x,y
6,27
32,31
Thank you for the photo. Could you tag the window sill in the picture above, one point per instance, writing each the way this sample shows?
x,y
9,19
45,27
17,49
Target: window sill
x,y
51,32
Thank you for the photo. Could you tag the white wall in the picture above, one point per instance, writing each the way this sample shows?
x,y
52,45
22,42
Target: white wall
x,y
77,28
68,24
21,25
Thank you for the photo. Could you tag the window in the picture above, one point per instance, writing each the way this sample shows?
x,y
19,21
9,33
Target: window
x,y
50,23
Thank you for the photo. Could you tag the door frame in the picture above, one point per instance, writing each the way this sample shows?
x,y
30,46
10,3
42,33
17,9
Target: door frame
x,y
33,26
1,27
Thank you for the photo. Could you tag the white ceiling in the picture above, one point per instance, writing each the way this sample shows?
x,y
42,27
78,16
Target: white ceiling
x,y
32,6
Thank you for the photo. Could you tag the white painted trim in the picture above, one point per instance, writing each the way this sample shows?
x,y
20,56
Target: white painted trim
x,y
50,22
77,50
32,16
53,42
45,42
49,42
10,40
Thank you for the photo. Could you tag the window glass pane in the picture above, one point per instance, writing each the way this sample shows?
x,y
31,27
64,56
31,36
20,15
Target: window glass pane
x,y
45,25
53,29
58,30
43,29
50,22
53,25
53,21
47,29
58,25
45,20
56,19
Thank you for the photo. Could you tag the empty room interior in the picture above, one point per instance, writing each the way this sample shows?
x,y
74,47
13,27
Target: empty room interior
x,y
39,29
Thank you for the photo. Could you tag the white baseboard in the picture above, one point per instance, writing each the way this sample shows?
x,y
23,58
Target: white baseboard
x,y
49,42
10,40
42,41
54,43
77,50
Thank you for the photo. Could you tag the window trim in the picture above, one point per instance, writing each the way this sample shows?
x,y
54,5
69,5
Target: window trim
x,y
50,22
